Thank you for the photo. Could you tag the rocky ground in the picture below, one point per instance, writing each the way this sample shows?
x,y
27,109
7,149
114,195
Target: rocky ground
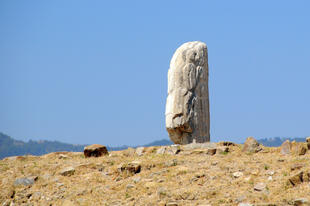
x,y
197,174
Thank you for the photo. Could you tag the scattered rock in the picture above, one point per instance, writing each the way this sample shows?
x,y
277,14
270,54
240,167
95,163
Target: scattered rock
x,y
136,179
130,168
259,186
187,106
172,204
226,143
306,177
171,163
301,201
301,149
161,150
296,179
251,145
237,174
222,149
95,150
161,192
67,171
270,172
172,150
140,151
308,142
62,156
26,181
206,145
129,186
286,147
211,151
270,178
296,166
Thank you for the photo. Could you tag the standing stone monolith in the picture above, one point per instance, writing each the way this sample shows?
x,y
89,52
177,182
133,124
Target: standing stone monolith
x,y
187,106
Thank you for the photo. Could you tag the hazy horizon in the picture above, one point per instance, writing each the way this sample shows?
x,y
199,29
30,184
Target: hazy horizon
x,y
96,72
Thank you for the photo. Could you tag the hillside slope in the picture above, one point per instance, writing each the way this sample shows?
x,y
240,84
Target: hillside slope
x,y
170,175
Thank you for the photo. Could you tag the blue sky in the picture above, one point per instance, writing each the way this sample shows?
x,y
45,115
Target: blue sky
x,y
96,71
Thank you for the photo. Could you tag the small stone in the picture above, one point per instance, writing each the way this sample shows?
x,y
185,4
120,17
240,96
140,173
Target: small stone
x,y
296,179
95,150
132,167
301,201
62,156
136,179
59,184
270,178
214,163
251,145
222,149
270,172
129,186
260,186
140,151
160,181
302,150
172,204
161,150
240,198
296,166
211,151
26,181
237,174
308,142
173,149
67,171
286,147
306,177
161,192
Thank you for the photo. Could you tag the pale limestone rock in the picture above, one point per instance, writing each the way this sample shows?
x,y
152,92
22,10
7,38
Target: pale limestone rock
x,y
286,147
187,106
251,145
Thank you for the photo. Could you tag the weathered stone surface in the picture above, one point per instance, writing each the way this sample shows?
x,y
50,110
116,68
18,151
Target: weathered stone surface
x,y
95,150
172,150
206,145
140,151
296,179
308,142
67,171
251,145
259,186
286,147
130,168
301,149
25,181
187,106
237,174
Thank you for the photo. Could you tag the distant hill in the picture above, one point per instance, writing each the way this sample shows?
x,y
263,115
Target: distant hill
x,y
277,141
12,147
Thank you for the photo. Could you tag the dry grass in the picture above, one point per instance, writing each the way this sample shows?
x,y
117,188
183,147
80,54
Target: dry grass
x,y
188,178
